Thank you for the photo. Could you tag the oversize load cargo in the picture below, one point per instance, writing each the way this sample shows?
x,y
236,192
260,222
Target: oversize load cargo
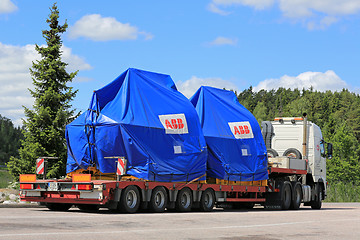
x,y
140,116
236,148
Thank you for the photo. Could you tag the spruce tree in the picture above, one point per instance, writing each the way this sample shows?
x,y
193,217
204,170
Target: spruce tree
x,y
45,123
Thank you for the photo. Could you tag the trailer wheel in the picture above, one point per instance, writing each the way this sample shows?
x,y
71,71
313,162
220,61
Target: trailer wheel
x,y
158,200
292,153
207,200
285,195
296,196
88,207
184,200
271,153
129,200
58,206
316,204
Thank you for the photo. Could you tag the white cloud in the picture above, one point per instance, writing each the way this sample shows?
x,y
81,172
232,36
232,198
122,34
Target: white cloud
x,y
224,41
6,6
316,14
318,80
190,86
98,28
15,78
75,62
212,7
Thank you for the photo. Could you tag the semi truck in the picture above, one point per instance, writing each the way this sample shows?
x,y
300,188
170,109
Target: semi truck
x,y
297,156
143,145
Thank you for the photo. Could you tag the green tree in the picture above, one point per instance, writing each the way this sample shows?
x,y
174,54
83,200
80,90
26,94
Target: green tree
x,y
260,112
344,166
9,139
45,123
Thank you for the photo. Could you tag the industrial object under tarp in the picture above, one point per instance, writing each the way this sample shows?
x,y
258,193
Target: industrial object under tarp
x,y
140,116
236,147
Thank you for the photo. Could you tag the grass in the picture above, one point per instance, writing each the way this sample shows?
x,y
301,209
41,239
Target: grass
x,y
343,192
5,178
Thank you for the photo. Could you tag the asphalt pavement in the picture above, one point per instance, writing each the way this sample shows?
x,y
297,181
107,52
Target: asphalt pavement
x,y
333,221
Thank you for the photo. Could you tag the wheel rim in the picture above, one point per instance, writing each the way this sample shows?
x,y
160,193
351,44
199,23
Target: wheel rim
x,y
185,200
208,201
131,199
159,199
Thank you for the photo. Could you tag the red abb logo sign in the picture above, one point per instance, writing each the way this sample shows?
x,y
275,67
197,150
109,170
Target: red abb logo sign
x,y
241,130
174,123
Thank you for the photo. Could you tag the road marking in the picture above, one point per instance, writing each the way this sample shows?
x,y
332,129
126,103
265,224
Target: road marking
x,y
175,229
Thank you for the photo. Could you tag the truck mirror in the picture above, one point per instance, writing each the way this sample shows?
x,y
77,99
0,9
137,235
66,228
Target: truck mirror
x,y
322,148
329,150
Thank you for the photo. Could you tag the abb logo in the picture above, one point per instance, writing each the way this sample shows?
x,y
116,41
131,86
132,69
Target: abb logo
x,y
174,123
241,130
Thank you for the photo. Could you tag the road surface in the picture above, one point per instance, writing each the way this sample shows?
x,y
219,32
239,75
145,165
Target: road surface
x,y
334,221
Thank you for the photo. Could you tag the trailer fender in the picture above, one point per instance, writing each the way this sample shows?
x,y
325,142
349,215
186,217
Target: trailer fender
x,y
173,195
196,195
113,204
117,194
146,194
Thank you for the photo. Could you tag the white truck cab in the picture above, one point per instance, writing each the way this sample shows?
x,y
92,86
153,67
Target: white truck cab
x,y
295,143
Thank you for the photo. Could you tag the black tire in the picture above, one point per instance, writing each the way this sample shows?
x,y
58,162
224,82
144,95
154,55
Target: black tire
x,y
296,196
292,153
61,207
207,200
285,195
88,207
316,204
129,200
158,200
271,153
184,200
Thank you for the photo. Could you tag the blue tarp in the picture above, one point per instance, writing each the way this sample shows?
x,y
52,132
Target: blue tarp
x,y
236,147
142,117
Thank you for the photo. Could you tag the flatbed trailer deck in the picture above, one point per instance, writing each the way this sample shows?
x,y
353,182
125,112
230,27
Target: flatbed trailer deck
x,y
156,196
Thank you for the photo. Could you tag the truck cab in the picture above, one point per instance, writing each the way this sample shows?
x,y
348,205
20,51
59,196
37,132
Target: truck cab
x,y
294,142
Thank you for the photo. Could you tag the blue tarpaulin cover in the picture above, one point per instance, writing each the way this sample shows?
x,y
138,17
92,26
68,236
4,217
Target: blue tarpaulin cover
x,y
236,147
140,116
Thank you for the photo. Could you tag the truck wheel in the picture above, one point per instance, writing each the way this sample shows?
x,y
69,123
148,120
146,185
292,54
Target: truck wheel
x,y
129,200
184,200
88,207
158,200
316,204
296,196
207,201
285,195
271,153
292,153
58,206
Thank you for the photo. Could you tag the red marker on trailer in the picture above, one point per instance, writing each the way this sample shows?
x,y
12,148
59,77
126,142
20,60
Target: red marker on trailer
x,y
40,166
121,166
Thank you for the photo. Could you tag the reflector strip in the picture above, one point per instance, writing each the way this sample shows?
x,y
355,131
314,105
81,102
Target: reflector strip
x,y
27,178
121,166
26,186
40,166
81,178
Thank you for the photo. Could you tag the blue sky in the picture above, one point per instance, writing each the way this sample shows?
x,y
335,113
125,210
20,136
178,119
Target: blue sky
x,y
223,43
